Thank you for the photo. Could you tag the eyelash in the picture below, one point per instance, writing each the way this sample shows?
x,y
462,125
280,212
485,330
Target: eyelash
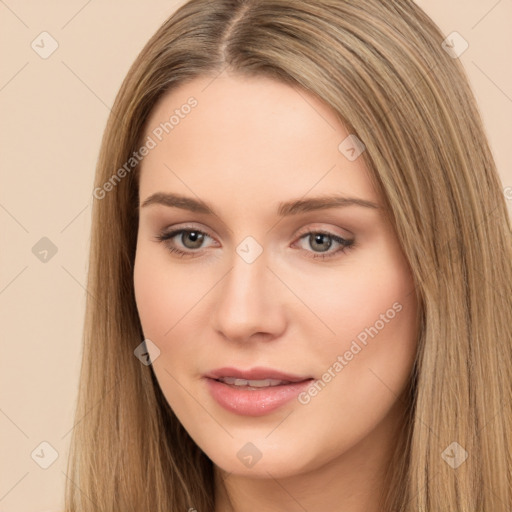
x,y
345,244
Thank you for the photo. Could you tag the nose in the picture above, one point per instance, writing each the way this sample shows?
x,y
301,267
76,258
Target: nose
x,y
249,303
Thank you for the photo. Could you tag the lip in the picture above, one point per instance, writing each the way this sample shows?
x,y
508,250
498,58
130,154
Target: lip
x,y
256,373
254,402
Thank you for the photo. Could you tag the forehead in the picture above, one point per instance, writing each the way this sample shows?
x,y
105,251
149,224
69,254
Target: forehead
x,y
245,136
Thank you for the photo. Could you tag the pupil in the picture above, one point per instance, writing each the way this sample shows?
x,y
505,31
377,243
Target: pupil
x,y
318,238
196,239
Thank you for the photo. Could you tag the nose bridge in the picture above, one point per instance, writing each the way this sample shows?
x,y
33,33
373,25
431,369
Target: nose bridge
x,y
247,302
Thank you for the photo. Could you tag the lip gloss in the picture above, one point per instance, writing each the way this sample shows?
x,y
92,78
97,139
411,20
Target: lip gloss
x,y
251,401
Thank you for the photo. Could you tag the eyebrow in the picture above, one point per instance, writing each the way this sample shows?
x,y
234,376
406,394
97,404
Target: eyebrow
x,y
284,209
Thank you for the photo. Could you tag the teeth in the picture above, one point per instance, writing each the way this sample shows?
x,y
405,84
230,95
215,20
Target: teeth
x,y
252,383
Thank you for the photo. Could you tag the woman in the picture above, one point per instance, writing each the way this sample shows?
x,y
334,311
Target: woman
x,y
230,365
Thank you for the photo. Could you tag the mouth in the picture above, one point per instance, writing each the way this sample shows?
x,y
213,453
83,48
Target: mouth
x,y
254,392
255,376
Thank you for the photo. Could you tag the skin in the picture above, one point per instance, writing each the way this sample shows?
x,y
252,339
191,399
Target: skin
x,y
249,144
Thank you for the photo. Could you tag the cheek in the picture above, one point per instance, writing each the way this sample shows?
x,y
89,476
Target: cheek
x,y
164,292
366,365
352,300
372,310
166,296
150,295
170,302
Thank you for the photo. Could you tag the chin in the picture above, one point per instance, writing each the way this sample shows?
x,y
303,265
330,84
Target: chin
x,y
249,460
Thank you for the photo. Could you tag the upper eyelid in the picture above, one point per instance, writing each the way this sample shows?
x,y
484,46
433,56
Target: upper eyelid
x,y
300,232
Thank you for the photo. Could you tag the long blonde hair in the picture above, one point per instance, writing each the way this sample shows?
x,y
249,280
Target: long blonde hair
x,y
382,69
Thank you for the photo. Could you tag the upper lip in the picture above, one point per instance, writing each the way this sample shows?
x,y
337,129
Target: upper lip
x,y
257,373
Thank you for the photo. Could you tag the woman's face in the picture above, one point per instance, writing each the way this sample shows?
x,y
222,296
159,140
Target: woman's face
x,y
279,279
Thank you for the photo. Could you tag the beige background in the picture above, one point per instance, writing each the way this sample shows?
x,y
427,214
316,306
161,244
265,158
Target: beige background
x,y
53,114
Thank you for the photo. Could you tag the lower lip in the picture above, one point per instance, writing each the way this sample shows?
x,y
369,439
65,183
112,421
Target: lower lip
x,y
254,402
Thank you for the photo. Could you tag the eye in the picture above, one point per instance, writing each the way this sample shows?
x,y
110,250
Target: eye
x,y
192,239
323,241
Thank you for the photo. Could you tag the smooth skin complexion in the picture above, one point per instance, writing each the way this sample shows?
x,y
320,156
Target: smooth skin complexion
x,y
248,146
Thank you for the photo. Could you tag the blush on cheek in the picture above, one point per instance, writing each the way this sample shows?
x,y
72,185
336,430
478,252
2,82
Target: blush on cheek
x,y
166,301
151,301
391,347
381,334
